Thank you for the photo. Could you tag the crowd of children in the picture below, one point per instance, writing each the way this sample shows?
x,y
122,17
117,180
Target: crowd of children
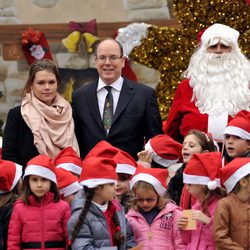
x,y
110,201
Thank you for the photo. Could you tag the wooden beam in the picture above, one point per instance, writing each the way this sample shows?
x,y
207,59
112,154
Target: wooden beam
x,y
10,34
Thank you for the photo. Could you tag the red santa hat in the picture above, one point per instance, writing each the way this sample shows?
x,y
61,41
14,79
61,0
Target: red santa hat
x,y
103,149
43,166
218,30
67,182
125,163
10,174
157,177
204,169
234,171
69,160
240,125
165,151
98,171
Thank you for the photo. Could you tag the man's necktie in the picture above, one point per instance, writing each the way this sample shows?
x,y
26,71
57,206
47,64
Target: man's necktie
x,y
108,110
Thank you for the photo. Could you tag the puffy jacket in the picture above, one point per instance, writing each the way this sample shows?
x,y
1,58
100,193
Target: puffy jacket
x,y
94,233
162,234
5,214
202,238
231,224
39,225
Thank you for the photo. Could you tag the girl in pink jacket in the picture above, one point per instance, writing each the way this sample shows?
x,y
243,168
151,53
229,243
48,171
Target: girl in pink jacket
x,y
39,219
153,218
201,177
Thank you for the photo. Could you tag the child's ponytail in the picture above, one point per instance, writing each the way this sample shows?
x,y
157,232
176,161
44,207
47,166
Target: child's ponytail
x,y
89,192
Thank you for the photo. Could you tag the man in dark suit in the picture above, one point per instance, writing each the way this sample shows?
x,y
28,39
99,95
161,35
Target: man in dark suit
x,y
124,114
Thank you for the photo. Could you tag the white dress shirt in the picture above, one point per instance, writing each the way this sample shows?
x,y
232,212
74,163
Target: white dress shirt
x,y
102,93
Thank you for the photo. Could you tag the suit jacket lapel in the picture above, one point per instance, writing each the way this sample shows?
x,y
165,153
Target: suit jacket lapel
x,y
93,103
127,92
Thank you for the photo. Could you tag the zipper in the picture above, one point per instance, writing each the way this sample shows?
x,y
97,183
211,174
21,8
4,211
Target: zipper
x,y
109,230
42,227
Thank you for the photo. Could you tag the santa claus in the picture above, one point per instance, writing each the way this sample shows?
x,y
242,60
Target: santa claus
x,y
215,88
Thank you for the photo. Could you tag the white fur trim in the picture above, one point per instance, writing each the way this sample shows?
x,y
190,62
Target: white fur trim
x,y
163,162
40,171
19,172
236,176
220,31
92,183
217,124
125,168
160,189
201,180
70,167
232,130
70,189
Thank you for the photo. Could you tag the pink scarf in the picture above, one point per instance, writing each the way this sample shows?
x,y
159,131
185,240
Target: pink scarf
x,y
52,126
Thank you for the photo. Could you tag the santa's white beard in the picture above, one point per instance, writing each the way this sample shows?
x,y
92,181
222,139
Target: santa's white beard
x,y
220,82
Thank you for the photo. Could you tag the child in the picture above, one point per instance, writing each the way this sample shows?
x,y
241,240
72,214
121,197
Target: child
x,y
162,151
153,219
68,184
125,168
194,142
39,219
101,221
201,176
69,160
231,219
237,136
10,182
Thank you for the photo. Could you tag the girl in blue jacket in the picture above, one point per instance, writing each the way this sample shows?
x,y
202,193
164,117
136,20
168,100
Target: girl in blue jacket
x,y
97,220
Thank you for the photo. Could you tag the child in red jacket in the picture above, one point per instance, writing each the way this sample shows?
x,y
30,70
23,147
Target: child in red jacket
x,y
39,219
10,184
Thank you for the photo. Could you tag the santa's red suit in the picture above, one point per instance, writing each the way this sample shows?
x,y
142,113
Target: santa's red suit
x,y
184,115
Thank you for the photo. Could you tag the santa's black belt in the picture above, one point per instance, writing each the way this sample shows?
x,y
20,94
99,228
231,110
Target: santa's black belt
x,y
48,244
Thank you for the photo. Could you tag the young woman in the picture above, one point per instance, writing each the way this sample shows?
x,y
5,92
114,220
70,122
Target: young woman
x,y
43,123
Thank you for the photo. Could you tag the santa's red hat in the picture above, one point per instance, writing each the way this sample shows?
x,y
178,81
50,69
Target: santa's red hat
x,y
165,151
234,171
240,125
103,149
67,182
157,177
125,163
204,169
43,166
218,30
98,171
69,160
10,174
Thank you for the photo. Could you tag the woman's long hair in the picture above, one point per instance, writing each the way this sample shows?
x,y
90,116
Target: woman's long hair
x,y
40,65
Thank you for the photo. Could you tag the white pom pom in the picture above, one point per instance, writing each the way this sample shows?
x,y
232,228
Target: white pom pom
x,y
212,185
